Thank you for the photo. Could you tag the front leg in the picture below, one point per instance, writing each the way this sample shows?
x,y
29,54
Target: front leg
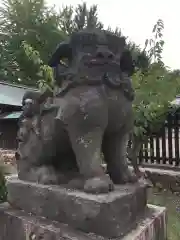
x,y
114,149
87,148
84,113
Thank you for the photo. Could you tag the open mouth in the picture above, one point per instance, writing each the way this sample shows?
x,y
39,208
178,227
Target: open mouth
x,y
100,62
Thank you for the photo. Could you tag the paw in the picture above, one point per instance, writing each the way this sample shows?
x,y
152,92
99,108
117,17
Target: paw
x,y
45,175
129,177
76,183
96,185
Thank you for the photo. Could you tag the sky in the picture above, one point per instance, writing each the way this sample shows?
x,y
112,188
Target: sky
x,y
136,19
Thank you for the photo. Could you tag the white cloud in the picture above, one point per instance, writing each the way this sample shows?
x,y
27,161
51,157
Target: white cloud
x,y
136,19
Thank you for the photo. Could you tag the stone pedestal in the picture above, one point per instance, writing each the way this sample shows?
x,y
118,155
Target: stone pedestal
x,y
52,212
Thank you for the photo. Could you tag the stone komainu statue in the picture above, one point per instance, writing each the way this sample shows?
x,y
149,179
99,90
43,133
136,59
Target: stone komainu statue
x,y
62,141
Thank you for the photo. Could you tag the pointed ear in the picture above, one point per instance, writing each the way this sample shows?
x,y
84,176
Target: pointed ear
x,y
63,50
27,94
43,96
31,95
127,63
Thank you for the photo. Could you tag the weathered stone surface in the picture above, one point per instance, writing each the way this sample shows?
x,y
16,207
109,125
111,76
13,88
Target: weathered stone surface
x,y
110,215
17,225
164,179
152,227
63,133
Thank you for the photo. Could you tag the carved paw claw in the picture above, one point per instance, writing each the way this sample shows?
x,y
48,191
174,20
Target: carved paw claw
x,y
98,185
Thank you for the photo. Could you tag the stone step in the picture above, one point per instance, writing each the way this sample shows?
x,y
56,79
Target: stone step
x,y
110,215
18,225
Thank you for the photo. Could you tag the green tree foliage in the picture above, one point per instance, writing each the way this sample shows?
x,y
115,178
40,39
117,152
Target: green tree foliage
x,y
44,72
155,89
78,18
176,73
40,27
29,21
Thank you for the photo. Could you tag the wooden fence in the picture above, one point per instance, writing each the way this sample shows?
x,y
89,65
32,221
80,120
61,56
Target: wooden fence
x,y
164,147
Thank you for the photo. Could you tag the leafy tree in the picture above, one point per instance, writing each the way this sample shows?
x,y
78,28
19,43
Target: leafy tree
x,y
176,72
155,89
33,22
44,72
42,28
74,19
154,46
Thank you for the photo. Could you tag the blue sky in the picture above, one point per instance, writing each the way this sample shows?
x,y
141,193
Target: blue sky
x,y
136,19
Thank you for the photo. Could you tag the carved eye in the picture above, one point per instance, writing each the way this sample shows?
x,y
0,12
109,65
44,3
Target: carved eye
x,y
110,56
99,55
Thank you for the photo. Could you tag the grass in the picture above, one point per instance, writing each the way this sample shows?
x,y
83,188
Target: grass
x,y
172,202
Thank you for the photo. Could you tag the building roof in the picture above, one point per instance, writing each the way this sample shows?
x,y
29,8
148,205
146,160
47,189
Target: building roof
x,y
12,115
11,94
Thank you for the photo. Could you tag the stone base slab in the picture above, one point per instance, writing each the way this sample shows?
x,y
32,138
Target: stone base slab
x,y
110,215
152,227
18,225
